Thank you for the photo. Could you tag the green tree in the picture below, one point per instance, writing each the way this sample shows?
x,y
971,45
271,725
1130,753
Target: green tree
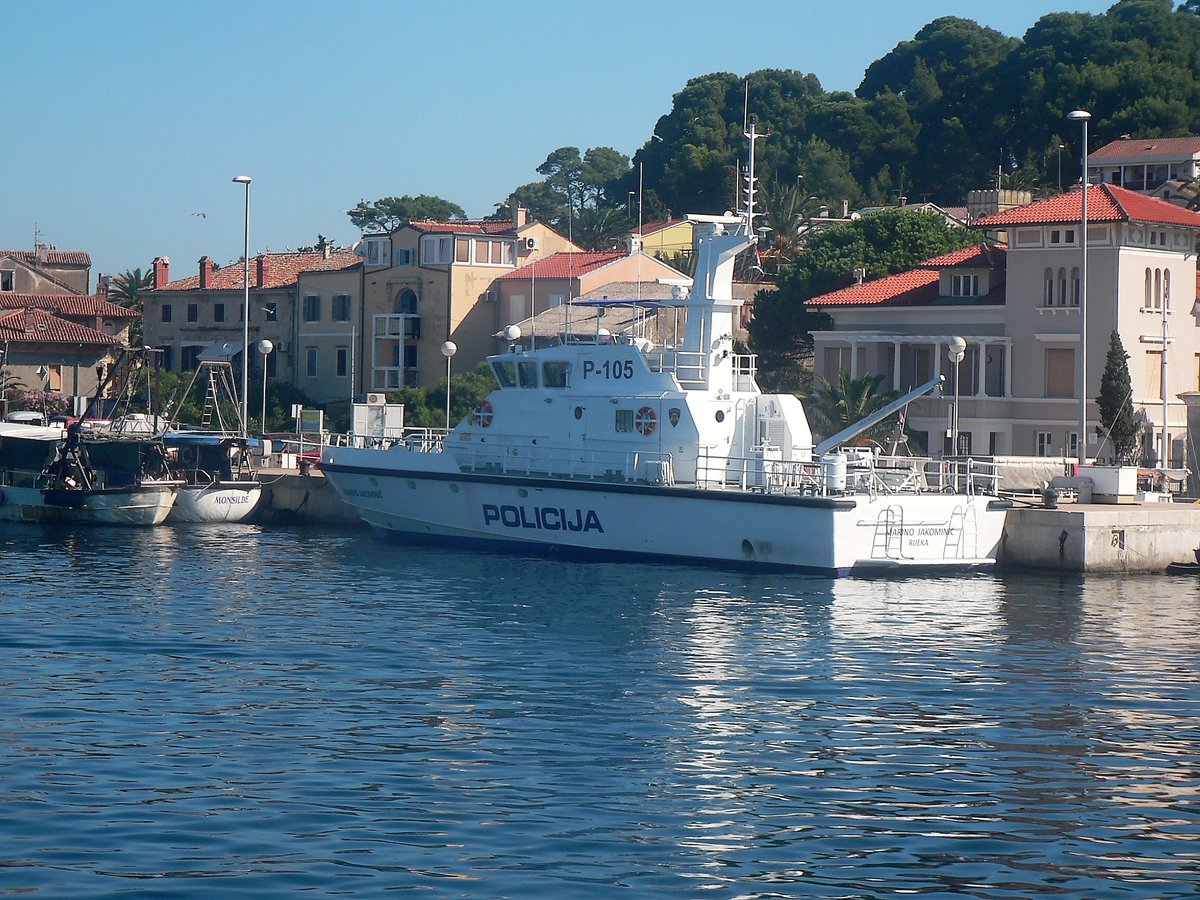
x,y
1118,425
426,407
128,290
389,213
850,400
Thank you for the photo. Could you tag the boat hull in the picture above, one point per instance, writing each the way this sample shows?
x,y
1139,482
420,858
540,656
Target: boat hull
x,y
221,501
425,498
146,504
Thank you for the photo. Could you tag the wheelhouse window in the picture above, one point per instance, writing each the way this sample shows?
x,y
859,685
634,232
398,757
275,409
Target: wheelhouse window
x,y
527,374
554,374
624,420
506,373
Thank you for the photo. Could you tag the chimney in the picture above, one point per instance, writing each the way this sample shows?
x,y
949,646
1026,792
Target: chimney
x,y
102,285
520,217
162,270
206,271
262,268
903,200
29,329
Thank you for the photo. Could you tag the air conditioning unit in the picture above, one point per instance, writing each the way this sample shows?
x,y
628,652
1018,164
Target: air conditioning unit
x,y
529,243
283,347
376,399
489,297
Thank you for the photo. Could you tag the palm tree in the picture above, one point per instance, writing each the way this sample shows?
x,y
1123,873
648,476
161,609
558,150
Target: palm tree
x,y
127,290
852,400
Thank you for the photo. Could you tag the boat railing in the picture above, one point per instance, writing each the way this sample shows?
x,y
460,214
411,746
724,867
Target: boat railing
x,y
643,467
847,473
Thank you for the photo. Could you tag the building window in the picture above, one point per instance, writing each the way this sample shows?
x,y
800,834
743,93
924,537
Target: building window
x,y
964,285
341,307
462,250
407,303
166,312
1073,444
310,362
312,308
436,249
193,312
1062,287
1045,443
218,312
1154,384
189,358
1060,373
343,361
167,355
1048,298
377,251
404,256
7,279
272,312
624,420
1063,236
1075,286
1149,297
1166,295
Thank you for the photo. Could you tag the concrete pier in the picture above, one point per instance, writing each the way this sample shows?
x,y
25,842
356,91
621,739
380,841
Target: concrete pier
x,y
302,497
1088,538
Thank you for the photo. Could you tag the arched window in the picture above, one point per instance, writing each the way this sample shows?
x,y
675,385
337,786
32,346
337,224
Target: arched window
x,y
406,303
1166,288
1146,304
1048,299
1062,287
1158,288
1075,286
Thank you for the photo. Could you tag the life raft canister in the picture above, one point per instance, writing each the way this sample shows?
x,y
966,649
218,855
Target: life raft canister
x,y
645,421
483,414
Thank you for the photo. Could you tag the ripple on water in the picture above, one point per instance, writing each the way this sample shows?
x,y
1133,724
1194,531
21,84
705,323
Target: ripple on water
x,y
190,710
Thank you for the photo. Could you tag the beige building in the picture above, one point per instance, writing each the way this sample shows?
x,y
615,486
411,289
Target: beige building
x,y
428,282
305,303
1019,311
54,336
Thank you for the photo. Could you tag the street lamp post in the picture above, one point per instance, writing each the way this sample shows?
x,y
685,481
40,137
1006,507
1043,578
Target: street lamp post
x,y
1081,116
245,179
265,347
448,350
1061,148
956,351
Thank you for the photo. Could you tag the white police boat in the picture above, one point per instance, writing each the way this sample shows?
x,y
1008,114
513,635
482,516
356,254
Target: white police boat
x,y
606,447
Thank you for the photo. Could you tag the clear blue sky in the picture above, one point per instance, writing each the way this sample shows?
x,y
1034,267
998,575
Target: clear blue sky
x,y
128,117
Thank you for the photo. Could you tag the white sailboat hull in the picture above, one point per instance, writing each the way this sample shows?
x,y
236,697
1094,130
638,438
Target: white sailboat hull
x,y
424,495
220,501
145,504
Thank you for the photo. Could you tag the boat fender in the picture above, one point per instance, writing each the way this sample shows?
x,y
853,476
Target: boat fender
x,y
188,456
483,414
645,421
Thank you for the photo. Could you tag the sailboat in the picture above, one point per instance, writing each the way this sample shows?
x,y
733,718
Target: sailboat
x,y
214,460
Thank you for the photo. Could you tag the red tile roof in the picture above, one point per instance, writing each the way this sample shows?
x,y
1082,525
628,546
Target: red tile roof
x,y
283,271
1106,203
469,226
35,326
1150,148
67,304
53,257
912,288
978,256
563,265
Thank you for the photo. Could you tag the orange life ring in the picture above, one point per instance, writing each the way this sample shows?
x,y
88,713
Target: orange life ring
x,y
483,414
645,421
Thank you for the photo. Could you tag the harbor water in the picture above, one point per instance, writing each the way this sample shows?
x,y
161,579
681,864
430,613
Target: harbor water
x,y
198,711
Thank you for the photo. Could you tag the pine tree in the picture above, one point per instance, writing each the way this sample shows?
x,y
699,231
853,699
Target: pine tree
x,y
1117,422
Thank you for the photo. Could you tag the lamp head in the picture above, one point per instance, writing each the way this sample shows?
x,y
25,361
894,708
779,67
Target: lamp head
x,y
1079,115
449,348
265,346
957,349
242,179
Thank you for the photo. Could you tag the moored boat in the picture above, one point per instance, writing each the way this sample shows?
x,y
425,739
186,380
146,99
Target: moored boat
x,y
49,474
605,446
